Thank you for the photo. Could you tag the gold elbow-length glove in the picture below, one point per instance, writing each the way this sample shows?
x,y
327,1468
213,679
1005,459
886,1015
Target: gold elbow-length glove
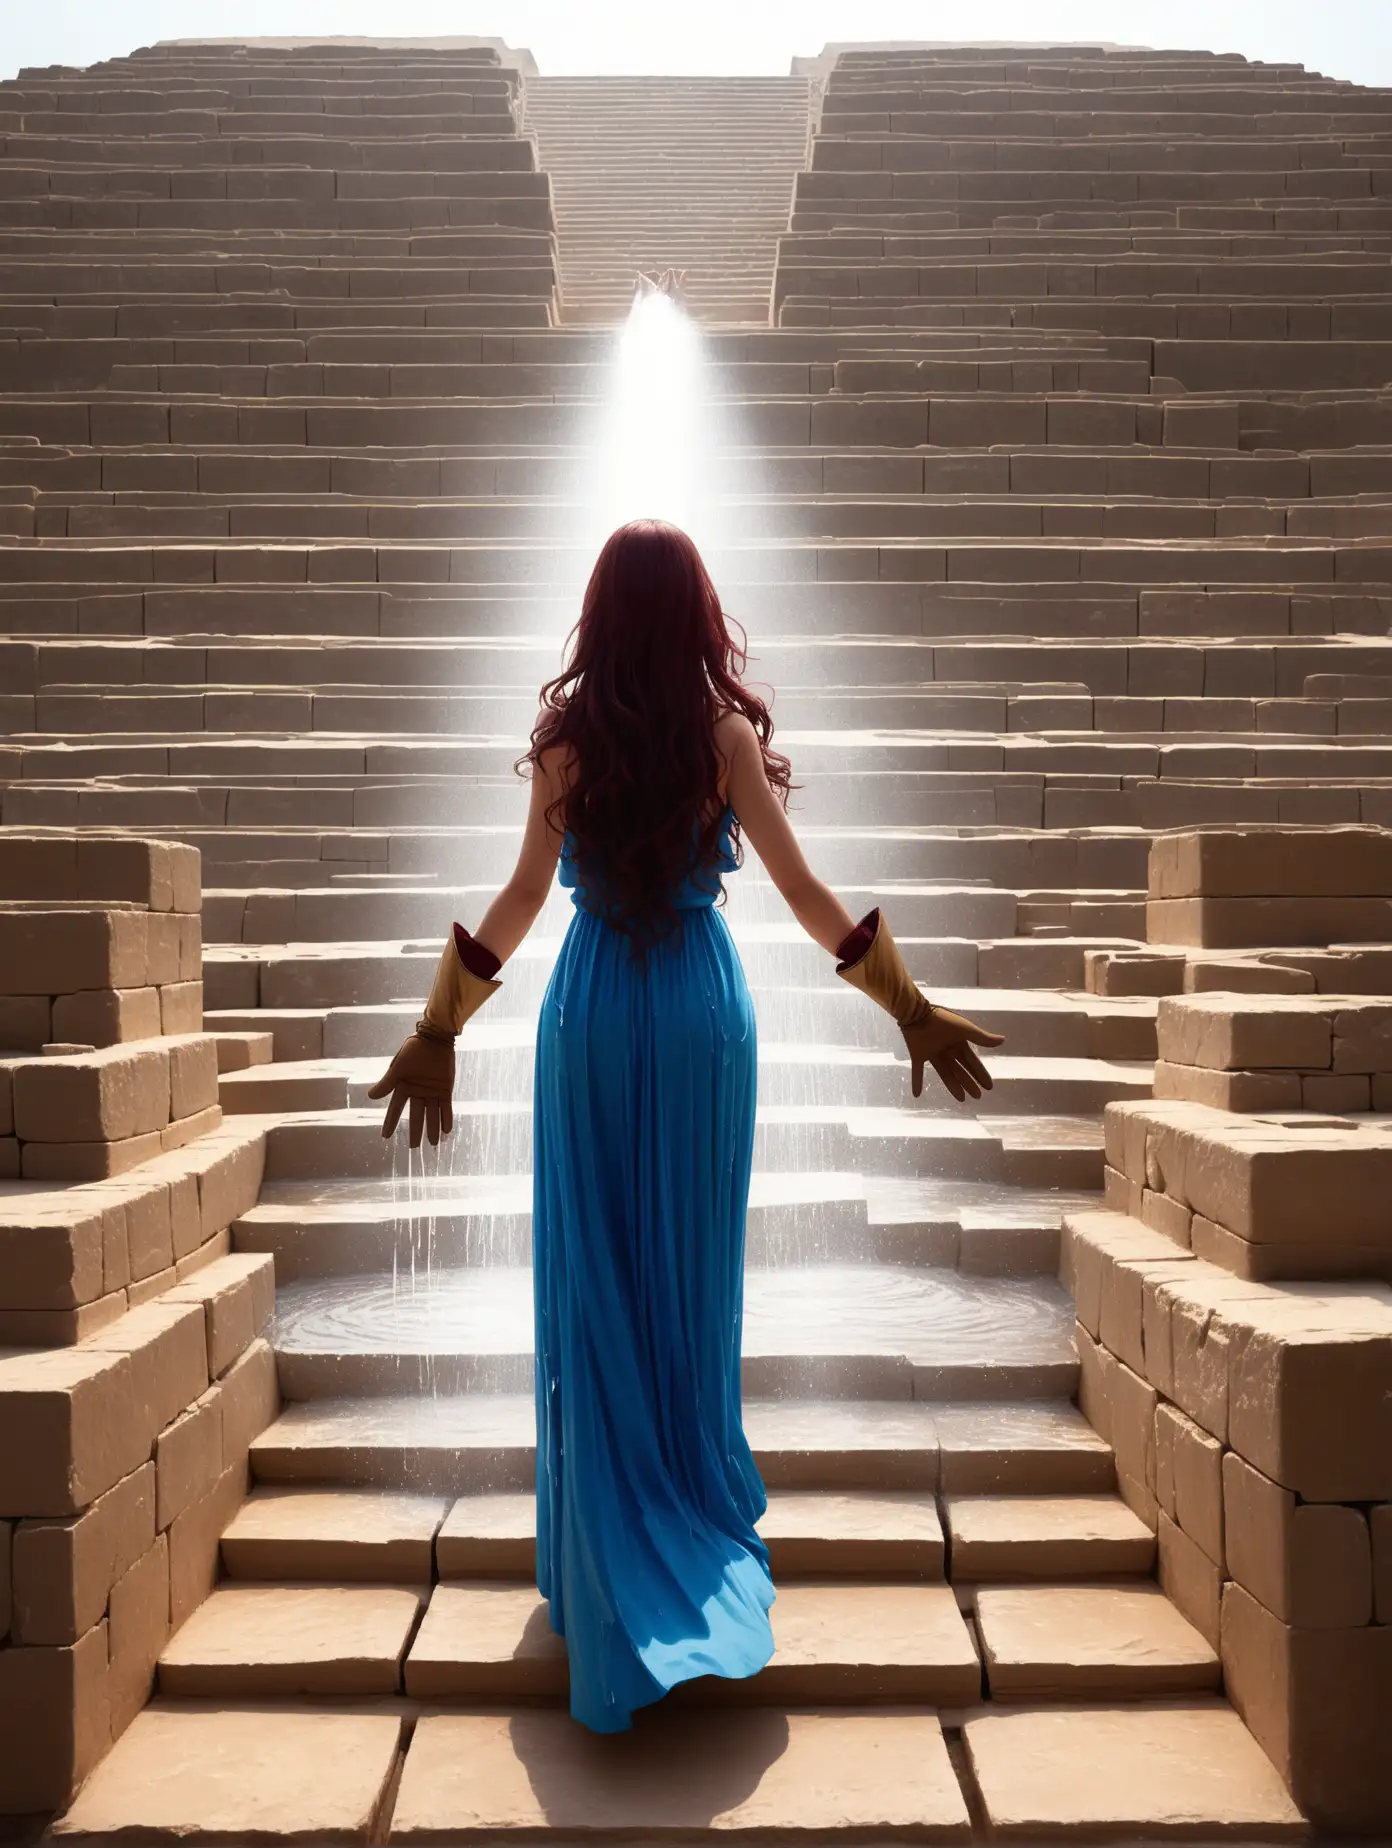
x,y
934,1035
422,1072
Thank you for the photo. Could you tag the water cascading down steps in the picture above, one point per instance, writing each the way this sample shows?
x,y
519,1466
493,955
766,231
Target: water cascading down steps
x,y
290,445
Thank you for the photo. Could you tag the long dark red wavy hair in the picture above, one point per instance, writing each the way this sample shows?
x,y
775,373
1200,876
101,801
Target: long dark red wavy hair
x,y
650,666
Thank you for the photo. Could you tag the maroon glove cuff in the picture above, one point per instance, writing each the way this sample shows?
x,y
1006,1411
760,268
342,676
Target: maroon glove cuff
x,y
855,944
475,958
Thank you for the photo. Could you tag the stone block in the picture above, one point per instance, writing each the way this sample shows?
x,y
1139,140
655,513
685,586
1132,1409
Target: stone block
x,y
238,1297
188,1457
194,1537
124,867
1251,923
59,952
107,1096
181,1007
230,1171
1133,1403
26,1022
1335,1093
1195,1462
1310,1393
1095,1771
71,1426
1115,972
192,1074
57,1721
1316,1702
52,1253
167,1349
250,1400
1310,1563
107,1016
1332,862
64,1570
1231,1033
319,1775
1190,1579
137,1630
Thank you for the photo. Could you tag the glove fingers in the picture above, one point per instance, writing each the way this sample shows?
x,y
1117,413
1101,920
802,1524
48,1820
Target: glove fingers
x,y
385,1082
917,1080
965,1079
981,1036
417,1120
947,1071
446,1116
432,1121
968,1059
394,1109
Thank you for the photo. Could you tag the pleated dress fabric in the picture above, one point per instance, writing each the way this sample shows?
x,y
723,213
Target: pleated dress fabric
x,y
647,1493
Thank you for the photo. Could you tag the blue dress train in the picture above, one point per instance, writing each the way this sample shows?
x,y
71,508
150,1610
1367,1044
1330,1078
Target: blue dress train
x,y
647,1492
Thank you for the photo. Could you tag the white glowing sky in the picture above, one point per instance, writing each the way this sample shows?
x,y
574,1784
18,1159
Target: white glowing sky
x,y
1343,38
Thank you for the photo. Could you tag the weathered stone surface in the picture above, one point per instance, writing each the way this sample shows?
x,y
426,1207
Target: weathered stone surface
x,y
57,1721
1309,1563
803,1775
280,1639
1316,1701
241,1774
344,1534
1073,1641
1041,1536
1174,1769
137,1630
64,1570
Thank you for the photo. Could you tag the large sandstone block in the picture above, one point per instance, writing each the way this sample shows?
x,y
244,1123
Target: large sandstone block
x,y
105,1096
1230,1033
137,1630
57,1721
1338,862
107,1016
1317,1702
64,1570
72,1425
59,952
1249,923
238,1297
167,1348
1309,1563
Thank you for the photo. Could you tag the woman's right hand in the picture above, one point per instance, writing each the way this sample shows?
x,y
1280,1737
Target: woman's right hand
x,y
945,1041
422,1075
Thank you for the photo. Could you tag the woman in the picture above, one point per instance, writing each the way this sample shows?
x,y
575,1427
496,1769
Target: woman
x,y
649,762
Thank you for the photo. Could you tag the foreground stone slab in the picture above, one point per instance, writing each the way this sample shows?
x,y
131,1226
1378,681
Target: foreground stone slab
x,y
749,1775
277,1639
1062,1641
831,1642
355,1534
487,1534
1045,1536
1187,1770
857,1531
271,1773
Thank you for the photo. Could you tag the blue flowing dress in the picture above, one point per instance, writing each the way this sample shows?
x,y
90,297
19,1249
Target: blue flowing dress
x,y
647,1493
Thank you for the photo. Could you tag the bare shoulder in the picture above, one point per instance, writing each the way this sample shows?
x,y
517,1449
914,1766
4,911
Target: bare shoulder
x,y
733,734
553,763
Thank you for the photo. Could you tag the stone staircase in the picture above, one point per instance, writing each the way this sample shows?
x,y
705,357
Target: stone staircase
x,y
1054,504
656,173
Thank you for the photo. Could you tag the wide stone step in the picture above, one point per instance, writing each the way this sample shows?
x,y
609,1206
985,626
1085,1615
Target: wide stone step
x,y
1080,1642
248,1640
853,1643
1049,1151
479,1442
1014,1537
862,1331
336,1228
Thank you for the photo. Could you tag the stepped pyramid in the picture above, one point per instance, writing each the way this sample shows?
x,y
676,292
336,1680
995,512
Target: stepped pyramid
x,y
1056,475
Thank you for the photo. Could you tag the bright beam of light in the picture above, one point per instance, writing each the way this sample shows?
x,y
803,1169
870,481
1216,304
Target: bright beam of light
x,y
652,453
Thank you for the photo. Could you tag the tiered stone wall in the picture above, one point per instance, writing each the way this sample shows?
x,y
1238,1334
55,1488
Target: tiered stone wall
x,y
133,1371
1248,1398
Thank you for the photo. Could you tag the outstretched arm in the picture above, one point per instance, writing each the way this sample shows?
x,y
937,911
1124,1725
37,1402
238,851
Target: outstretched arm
x,y
514,911
867,956
769,832
422,1073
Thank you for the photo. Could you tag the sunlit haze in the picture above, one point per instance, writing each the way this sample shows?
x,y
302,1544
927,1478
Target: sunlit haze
x,y
1342,38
